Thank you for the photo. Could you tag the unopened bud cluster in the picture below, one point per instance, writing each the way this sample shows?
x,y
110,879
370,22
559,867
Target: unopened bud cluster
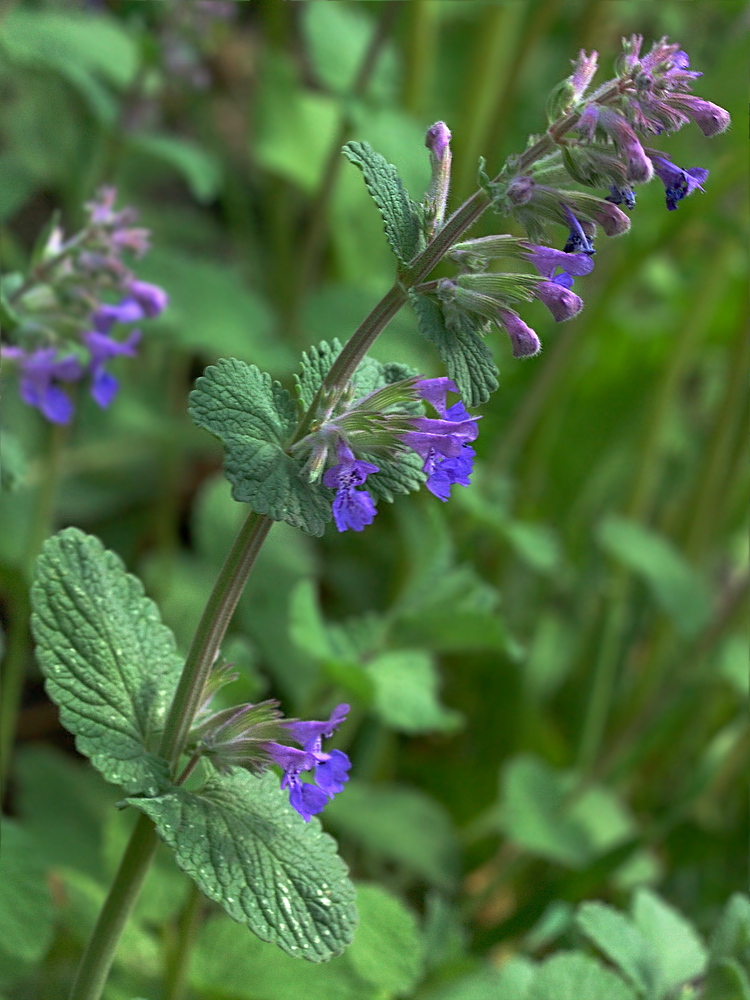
x,y
61,318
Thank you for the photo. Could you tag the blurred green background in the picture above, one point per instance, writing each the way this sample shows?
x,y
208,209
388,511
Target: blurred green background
x,y
548,674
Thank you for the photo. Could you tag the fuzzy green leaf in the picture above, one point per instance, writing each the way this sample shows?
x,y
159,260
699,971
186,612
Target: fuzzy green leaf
x,y
731,938
461,349
388,950
401,216
27,917
575,976
254,418
245,847
406,693
680,954
614,934
109,662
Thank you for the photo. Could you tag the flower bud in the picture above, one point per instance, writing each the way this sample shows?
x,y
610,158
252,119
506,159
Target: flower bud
x,y
523,339
437,141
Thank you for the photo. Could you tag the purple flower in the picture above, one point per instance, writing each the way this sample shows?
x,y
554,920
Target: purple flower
x,y
152,299
127,311
546,260
578,241
352,508
104,385
448,459
710,118
524,340
331,769
678,183
557,297
40,373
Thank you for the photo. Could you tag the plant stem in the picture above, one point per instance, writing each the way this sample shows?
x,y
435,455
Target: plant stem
x,y
210,632
100,951
179,960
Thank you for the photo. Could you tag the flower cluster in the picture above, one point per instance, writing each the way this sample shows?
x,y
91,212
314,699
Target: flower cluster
x,y
595,140
384,423
255,737
61,318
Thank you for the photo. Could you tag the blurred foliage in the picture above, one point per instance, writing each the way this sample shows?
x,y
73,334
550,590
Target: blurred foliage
x,y
549,674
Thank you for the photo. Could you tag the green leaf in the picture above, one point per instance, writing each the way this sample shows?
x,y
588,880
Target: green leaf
x,y
244,847
200,168
680,955
538,814
726,980
254,418
96,44
27,917
64,803
614,934
294,128
511,982
731,938
675,585
462,350
574,976
401,824
401,216
388,948
227,962
213,311
109,662
338,38
307,627
406,693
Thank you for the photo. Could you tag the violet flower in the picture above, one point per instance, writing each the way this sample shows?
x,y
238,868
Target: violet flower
x,y
330,769
104,385
41,372
448,458
678,183
352,508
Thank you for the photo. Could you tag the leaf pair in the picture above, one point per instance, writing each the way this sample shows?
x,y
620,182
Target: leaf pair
x,y
112,667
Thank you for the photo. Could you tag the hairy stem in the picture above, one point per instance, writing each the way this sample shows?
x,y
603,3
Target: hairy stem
x,y
211,631
100,951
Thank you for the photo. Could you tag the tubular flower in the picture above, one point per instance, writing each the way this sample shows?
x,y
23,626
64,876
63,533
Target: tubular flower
x,y
352,508
331,769
678,183
448,458
41,372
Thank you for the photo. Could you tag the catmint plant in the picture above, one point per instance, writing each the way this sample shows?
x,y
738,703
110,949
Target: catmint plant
x,y
66,319
227,789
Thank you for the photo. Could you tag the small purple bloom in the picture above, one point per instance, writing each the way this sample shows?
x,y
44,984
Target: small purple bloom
x,y
352,508
557,297
448,459
678,183
546,260
152,299
104,385
524,340
710,118
578,241
126,311
40,372
331,769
